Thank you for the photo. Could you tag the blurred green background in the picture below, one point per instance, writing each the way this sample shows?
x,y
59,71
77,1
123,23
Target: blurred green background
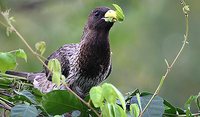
x,y
151,32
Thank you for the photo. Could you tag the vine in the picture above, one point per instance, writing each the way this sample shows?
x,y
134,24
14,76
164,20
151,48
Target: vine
x,y
170,66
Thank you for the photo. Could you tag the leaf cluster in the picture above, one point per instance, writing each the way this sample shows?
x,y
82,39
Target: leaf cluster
x,y
105,99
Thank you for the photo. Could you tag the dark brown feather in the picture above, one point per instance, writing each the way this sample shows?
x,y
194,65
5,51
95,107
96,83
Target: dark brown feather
x,y
85,64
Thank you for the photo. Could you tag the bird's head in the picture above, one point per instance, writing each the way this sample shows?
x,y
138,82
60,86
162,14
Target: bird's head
x,y
97,18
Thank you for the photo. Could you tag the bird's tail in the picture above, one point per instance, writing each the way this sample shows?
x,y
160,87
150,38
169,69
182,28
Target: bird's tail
x,y
39,80
30,76
15,73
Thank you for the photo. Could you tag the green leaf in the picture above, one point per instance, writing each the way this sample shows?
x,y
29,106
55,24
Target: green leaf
x,y
28,95
7,61
119,12
56,78
58,102
179,111
188,104
109,93
37,92
134,110
117,94
139,101
5,83
156,107
131,94
41,47
24,110
198,102
112,110
96,96
55,67
119,111
106,110
169,108
21,54
38,95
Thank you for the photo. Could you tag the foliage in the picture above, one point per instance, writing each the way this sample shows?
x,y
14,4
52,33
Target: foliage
x,y
8,59
119,12
55,67
41,47
21,99
113,16
60,101
105,98
24,110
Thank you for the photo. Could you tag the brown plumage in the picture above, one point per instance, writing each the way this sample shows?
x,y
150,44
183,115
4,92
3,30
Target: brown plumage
x,y
84,64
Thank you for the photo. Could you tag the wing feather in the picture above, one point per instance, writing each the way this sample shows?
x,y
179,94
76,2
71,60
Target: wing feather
x,y
63,54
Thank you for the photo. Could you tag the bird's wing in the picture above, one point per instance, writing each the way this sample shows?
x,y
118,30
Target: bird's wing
x,y
63,54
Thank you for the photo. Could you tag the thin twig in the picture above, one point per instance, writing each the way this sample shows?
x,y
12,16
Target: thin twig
x,y
41,56
170,66
83,101
28,46
23,40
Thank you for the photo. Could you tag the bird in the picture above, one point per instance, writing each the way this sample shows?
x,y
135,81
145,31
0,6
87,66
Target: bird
x,y
84,64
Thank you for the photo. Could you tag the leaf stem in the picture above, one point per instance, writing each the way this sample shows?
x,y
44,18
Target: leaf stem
x,y
170,66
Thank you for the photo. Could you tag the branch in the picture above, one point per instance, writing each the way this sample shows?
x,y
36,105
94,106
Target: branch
x,y
170,66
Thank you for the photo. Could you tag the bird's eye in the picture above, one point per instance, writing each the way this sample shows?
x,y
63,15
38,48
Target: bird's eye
x,y
96,13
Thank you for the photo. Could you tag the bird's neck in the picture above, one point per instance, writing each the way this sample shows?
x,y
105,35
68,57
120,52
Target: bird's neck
x,y
94,52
